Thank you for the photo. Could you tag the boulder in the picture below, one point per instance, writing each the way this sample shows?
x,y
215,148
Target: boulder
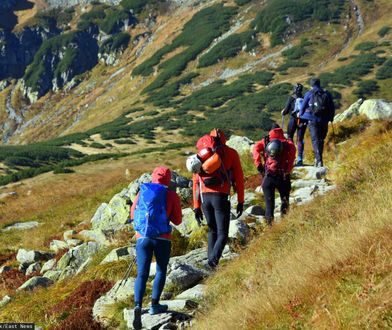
x,y
103,217
53,275
179,181
310,172
184,276
34,282
300,183
148,321
255,210
185,194
133,187
102,311
123,253
72,242
179,304
351,112
195,293
242,144
30,256
4,269
120,209
22,226
6,299
239,230
97,235
376,109
189,222
35,267
49,265
250,198
68,234
57,245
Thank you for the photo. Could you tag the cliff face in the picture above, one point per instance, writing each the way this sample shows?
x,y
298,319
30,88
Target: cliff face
x,y
69,3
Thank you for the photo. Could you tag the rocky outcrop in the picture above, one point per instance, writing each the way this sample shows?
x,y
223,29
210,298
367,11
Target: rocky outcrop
x,y
70,3
242,144
22,226
34,282
373,109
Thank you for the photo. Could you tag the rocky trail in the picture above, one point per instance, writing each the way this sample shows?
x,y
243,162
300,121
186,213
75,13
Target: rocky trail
x,y
186,273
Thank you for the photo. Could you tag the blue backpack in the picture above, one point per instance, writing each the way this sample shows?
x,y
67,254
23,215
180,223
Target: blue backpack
x,y
298,104
150,218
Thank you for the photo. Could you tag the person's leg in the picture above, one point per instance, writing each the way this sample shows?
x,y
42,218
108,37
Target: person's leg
x,y
209,213
269,196
162,255
315,144
301,141
323,130
291,127
222,215
144,251
284,188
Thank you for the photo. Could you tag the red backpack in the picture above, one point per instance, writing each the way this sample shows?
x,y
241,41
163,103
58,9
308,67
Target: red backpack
x,y
210,152
275,158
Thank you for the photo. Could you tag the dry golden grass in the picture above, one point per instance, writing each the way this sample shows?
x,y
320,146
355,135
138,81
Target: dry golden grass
x,y
327,265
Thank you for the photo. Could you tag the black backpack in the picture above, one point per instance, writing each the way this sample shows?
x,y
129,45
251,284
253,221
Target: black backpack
x,y
322,104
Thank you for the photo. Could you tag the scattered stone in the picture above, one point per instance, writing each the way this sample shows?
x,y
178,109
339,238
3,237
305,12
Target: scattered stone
x,y
255,210
195,293
310,172
53,275
250,198
184,276
352,111
97,235
35,267
49,265
6,299
148,321
4,269
120,209
300,183
31,256
189,222
239,230
179,304
179,181
68,234
376,109
73,242
22,226
57,245
123,253
102,311
242,144
34,282
133,187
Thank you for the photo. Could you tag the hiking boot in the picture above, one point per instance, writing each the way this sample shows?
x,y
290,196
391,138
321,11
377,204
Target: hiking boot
x,y
319,164
157,309
299,163
137,318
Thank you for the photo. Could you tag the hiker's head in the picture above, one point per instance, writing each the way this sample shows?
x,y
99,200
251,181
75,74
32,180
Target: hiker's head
x,y
314,82
276,132
298,89
218,133
161,175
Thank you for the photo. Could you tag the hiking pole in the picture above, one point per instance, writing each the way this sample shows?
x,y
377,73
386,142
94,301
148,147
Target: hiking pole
x,y
125,277
334,140
282,127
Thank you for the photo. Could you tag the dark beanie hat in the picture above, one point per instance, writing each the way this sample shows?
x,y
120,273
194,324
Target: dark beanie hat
x,y
314,82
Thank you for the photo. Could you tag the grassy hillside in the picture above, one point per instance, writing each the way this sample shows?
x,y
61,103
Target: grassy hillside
x,y
328,264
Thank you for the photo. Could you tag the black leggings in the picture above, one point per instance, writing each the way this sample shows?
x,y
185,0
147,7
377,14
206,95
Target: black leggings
x,y
216,208
270,183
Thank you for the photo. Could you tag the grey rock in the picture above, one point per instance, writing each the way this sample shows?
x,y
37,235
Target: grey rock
x,y
22,226
97,235
6,299
133,187
239,230
72,242
57,245
352,111
34,282
120,209
179,181
241,144
185,194
189,222
4,269
307,183
195,293
35,267
123,253
250,198
179,304
49,265
148,321
53,275
255,210
102,217
184,276
31,256
68,234
310,172
102,311
376,109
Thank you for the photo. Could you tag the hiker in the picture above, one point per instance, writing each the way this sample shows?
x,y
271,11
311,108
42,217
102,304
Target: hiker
x,y
292,107
318,108
154,207
274,158
221,169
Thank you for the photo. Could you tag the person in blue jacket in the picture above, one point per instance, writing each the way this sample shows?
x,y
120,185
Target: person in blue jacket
x,y
317,123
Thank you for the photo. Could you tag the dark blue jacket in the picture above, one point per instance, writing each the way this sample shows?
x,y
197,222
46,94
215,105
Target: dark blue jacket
x,y
305,112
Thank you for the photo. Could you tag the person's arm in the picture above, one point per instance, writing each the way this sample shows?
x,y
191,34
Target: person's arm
x,y
291,156
305,103
258,150
238,176
196,191
175,215
288,106
133,208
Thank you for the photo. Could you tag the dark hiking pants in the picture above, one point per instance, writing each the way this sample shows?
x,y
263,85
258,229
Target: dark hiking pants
x,y
216,209
283,185
318,133
298,125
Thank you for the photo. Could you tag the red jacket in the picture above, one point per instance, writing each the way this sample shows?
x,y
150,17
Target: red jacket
x,y
275,134
232,164
162,175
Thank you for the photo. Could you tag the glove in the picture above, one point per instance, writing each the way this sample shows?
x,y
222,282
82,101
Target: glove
x,y
260,169
240,209
129,221
282,112
198,216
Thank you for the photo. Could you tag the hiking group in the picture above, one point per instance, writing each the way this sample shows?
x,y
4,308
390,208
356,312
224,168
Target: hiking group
x,y
216,171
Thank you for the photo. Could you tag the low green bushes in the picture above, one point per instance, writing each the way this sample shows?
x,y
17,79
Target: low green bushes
x,y
366,88
116,42
366,46
385,71
384,31
135,5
